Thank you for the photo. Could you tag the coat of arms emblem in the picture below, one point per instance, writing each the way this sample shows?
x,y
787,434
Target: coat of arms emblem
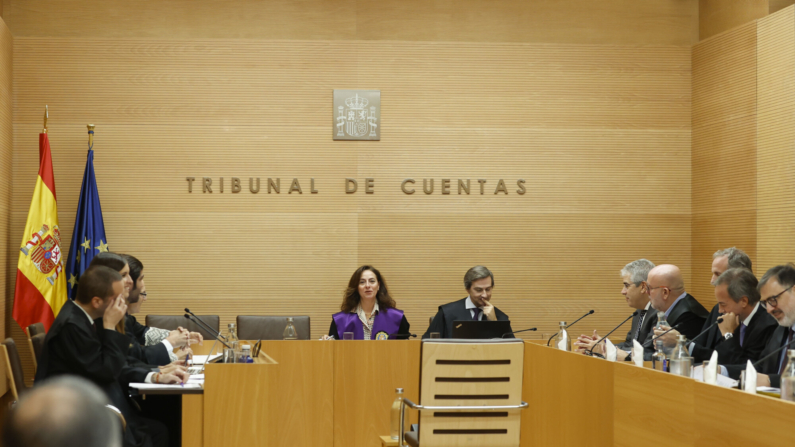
x,y
44,249
356,114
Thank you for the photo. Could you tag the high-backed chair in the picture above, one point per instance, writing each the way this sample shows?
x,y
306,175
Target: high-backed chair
x,y
254,327
37,344
470,393
172,322
36,328
14,368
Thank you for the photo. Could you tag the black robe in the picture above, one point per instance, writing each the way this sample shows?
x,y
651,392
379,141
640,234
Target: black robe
x,y
450,312
771,366
74,346
757,334
688,314
152,355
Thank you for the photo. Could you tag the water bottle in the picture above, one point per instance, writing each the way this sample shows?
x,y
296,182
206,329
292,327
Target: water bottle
x,y
394,426
680,362
234,344
289,331
662,325
562,340
245,355
788,378
659,360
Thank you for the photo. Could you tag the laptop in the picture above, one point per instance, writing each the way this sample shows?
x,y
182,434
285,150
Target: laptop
x,y
480,330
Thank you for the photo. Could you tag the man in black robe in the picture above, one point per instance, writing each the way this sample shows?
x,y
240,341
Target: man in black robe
x,y
83,341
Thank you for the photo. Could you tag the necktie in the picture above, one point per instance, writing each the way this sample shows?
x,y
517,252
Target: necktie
x,y
742,333
640,323
783,359
476,314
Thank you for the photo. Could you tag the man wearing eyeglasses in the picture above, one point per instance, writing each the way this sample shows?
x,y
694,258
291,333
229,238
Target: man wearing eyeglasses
x,y
634,276
778,299
667,294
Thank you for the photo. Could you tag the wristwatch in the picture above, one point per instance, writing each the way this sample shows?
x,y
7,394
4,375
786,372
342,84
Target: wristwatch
x,y
728,335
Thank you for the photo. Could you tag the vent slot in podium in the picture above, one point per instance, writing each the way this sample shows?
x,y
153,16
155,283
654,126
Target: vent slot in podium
x,y
470,396
474,362
493,431
473,379
472,414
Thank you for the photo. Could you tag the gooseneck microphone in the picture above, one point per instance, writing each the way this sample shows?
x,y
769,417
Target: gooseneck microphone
x,y
655,338
718,321
760,361
590,351
216,337
204,325
516,332
572,324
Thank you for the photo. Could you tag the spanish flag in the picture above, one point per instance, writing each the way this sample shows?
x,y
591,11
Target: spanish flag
x,y
41,287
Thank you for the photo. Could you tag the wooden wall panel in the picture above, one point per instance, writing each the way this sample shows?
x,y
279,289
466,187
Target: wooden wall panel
x,y
717,16
776,139
723,151
6,164
624,22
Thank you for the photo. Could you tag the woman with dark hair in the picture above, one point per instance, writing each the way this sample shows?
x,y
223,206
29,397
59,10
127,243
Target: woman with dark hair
x,y
367,310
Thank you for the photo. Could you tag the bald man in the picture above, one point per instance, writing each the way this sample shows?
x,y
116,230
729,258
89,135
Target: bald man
x,y
667,294
66,411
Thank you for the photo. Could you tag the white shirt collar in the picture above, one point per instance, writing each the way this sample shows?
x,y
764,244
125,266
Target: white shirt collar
x,y
91,320
747,321
648,306
361,313
470,304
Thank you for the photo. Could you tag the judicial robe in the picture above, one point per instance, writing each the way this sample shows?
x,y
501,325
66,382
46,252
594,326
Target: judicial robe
x,y
75,346
153,355
649,320
688,313
770,366
387,322
457,310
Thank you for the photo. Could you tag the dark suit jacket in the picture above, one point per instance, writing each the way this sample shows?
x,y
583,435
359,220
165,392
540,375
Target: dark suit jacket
x,y
152,355
74,346
688,313
450,312
771,365
759,331
649,320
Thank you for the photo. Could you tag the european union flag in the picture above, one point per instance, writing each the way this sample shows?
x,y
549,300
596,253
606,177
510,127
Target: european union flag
x,y
88,238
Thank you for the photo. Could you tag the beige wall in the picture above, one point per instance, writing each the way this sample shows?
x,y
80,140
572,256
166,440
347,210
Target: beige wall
x,y
6,147
593,113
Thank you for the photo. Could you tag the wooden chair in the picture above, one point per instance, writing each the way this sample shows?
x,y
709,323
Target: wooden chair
x,y
171,322
250,327
471,394
37,344
14,368
34,330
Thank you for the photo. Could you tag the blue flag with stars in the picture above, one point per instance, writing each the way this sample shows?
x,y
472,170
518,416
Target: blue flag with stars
x,y
88,238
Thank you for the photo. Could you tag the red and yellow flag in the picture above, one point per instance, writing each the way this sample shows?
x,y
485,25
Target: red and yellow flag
x,y
41,287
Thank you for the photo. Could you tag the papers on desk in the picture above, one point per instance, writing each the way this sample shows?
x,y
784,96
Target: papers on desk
x,y
159,386
722,381
202,359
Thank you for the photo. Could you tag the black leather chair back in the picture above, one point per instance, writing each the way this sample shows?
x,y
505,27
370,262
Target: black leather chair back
x,y
255,327
38,344
36,328
172,322
16,366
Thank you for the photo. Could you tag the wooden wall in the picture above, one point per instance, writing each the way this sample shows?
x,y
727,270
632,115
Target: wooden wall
x,y
6,162
724,150
593,113
776,139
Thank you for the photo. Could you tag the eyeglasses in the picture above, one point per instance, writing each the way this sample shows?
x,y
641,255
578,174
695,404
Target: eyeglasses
x,y
650,288
773,300
143,294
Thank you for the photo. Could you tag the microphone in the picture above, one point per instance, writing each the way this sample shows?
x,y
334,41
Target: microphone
x,y
216,337
719,320
516,332
760,361
204,325
578,319
590,351
655,338
402,334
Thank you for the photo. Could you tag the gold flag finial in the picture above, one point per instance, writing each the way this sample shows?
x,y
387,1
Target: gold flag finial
x,y
90,136
46,115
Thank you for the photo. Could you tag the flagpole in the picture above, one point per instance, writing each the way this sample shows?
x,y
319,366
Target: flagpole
x,y
46,115
90,136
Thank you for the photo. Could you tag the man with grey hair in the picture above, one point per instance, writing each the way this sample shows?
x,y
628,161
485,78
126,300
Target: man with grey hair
x,y
66,411
778,299
722,260
636,294
479,282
